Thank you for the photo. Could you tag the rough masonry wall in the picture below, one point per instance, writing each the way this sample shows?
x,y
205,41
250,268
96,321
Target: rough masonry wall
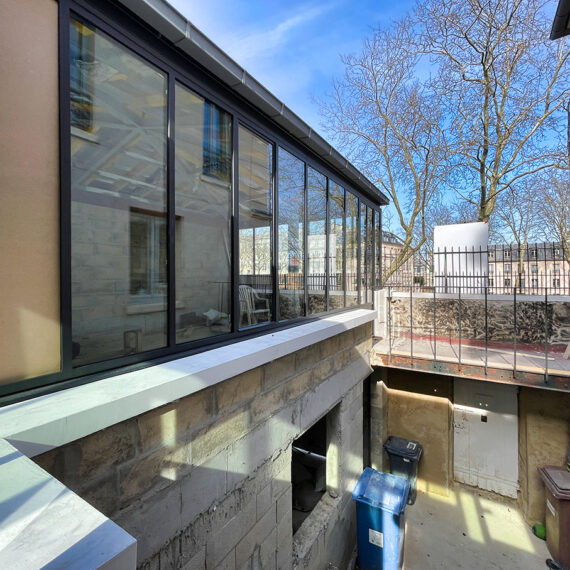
x,y
205,482
530,319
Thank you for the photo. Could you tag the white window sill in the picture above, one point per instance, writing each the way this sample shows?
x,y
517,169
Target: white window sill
x,y
49,421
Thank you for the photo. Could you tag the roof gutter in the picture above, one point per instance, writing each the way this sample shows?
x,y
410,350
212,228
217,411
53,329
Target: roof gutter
x,y
168,22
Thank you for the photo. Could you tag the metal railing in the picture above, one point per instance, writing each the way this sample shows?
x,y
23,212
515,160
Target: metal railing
x,y
500,270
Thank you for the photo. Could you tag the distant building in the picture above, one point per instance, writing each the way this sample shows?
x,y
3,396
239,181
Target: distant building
x,y
537,268
392,245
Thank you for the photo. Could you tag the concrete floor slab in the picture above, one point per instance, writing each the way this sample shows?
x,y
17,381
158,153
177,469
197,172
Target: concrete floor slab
x,y
469,529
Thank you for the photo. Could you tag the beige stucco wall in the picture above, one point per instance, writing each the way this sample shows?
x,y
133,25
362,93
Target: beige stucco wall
x,y
544,436
29,183
420,408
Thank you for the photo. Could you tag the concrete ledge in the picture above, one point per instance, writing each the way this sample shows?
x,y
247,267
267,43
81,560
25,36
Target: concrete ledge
x,y
44,525
40,424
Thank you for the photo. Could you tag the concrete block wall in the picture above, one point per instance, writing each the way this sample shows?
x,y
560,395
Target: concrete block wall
x,y
205,482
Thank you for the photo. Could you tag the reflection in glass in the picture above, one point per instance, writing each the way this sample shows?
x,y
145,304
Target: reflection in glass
x,y
291,196
316,240
336,246
118,199
352,230
378,251
363,257
203,217
369,251
255,220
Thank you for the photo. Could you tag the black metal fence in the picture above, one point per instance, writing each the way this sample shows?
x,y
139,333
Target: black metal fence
x,y
498,270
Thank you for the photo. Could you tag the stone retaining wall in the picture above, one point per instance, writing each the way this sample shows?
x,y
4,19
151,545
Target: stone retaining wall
x,y
530,319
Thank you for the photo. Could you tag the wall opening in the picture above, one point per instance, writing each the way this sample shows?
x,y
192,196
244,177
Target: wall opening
x,y
309,471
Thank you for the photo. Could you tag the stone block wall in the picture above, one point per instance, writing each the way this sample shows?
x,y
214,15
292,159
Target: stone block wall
x,y
205,482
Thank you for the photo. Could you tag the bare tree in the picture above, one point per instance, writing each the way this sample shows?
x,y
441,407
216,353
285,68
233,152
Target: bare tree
x,y
503,86
553,194
387,121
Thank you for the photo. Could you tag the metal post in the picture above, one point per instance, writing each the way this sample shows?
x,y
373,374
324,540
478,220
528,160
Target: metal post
x,y
545,335
515,330
411,326
459,302
389,300
486,330
434,329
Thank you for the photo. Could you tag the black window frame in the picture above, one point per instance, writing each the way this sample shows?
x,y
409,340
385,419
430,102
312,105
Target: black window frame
x,y
126,29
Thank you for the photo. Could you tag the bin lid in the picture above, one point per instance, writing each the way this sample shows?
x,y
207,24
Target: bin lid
x,y
382,490
404,447
557,479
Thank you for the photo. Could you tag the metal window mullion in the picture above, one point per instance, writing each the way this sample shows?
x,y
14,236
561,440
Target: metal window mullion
x,y
171,213
306,239
66,351
327,246
344,280
275,239
235,309
358,254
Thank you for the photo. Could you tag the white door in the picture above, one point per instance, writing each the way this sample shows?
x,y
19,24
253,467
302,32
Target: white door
x,y
485,436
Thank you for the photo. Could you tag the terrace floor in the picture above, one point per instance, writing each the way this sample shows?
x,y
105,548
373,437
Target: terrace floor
x,y
469,529
496,362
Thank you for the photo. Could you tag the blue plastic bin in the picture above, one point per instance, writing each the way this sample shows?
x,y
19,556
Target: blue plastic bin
x,y
380,504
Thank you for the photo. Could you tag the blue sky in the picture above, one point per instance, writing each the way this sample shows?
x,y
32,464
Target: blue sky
x,y
292,48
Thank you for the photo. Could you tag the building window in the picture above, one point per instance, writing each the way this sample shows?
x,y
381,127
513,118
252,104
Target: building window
x,y
534,268
534,283
148,254
556,283
534,254
216,144
556,268
507,253
507,267
491,282
507,282
522,282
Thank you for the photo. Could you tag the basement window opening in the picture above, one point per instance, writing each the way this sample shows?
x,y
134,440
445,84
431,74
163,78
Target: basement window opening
x,y
308,471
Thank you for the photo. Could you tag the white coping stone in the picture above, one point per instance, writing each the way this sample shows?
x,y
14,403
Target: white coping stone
x,y
49,421
45,525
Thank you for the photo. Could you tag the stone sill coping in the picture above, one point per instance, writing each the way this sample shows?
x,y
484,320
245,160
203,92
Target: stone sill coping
x,y
521,297
45,525
52,420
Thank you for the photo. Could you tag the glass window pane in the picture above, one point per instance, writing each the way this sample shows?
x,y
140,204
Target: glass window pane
x,y
291,201
203,217
378,261
363,256
118,199
369,252
351,250
255,221
316,240
336,246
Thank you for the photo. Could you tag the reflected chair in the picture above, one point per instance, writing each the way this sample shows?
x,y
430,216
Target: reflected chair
x,y
252,305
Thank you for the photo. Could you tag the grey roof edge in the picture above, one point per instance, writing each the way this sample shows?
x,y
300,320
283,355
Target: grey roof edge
x,y
561,23
167,21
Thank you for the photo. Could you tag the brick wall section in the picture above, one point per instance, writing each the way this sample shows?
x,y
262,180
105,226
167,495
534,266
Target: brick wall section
x,y
204,482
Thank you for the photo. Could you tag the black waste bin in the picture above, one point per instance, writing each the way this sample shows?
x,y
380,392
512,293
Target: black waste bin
x,y
404,458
